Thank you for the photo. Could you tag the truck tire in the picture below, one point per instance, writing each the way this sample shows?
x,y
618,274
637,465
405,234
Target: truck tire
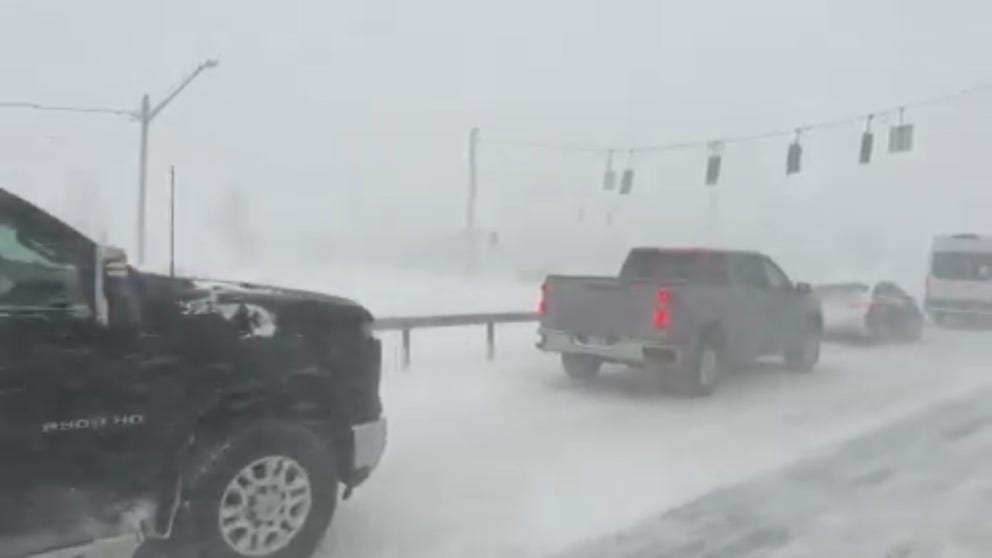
x,y
581,367
700,374
804,352
266,491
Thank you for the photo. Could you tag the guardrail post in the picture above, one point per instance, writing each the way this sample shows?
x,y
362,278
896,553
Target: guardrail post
x,y
405,358
490,340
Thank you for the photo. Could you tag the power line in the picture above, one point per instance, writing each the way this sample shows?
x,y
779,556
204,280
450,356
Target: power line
x,y
758,136
91,110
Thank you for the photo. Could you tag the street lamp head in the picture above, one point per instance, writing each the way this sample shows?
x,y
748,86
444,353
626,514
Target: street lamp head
x,y
211,63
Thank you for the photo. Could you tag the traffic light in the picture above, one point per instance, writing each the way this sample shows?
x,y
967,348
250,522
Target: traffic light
x,y
793,158
626,181
713,169
867,142
901,138
609,179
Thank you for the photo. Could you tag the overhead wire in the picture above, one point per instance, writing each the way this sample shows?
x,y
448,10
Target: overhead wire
x,y
758,136
37,106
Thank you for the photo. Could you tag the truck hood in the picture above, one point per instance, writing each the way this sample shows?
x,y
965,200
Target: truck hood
x,y
239,291
289,306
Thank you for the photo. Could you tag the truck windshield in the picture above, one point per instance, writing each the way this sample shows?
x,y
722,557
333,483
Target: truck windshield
x,y
657,265
962,266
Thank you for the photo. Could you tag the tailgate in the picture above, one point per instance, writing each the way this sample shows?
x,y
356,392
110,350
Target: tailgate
x,y
603,307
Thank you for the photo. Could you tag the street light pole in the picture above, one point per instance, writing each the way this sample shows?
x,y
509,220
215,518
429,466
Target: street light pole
x,y
146,116
143,176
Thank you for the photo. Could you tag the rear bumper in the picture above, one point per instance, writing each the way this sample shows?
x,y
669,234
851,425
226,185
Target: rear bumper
x,y
369,443
631,351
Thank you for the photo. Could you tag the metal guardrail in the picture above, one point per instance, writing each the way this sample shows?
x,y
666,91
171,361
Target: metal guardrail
x,y
406,324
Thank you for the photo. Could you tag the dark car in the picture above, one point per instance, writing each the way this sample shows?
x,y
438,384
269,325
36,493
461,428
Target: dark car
x,y
880,313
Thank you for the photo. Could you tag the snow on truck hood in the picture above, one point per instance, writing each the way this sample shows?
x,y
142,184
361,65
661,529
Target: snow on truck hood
x,y
259,292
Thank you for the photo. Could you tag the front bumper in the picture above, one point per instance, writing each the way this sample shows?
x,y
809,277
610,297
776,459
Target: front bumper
x,y
369,441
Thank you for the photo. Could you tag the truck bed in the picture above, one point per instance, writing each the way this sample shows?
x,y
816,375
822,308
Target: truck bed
x,y
615,318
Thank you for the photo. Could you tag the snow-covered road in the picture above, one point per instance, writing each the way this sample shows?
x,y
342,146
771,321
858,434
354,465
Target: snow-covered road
x,y
920,488
511,458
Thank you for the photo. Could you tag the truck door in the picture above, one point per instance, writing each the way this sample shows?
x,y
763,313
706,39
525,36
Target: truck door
x,y
782,310
79,402
45,327
750,329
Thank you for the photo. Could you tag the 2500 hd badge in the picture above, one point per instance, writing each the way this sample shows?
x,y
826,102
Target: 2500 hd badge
x,y
95,423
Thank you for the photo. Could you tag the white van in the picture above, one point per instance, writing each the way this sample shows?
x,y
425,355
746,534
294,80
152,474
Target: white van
x,y
959,281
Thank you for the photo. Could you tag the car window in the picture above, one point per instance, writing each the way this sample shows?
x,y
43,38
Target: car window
x,y
776,277
697,267
30,274
750,271
886,289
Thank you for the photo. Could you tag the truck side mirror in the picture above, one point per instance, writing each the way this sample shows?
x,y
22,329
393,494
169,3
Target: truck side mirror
x,y
804,288
111,306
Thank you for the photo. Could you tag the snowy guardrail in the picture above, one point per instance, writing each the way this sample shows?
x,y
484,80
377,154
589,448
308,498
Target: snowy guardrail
x,y
406,324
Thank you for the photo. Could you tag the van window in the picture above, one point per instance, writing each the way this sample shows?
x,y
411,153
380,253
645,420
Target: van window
x,y
962,266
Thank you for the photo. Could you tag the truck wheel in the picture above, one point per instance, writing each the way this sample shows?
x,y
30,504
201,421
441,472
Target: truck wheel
x,y
581,367
269,491
699,375
804,354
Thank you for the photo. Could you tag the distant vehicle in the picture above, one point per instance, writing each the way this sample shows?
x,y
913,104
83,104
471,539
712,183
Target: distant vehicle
x,y
688,314
959,281
206,418
879,313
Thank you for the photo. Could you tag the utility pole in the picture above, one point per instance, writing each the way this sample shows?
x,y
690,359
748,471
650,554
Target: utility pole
x,y
172,220
473,146
143,176
146,116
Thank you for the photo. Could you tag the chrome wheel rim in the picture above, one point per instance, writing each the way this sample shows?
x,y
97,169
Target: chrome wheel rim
x,y
265,506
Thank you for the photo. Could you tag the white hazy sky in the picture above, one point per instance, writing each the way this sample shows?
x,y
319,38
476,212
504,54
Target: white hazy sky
x,y
353,115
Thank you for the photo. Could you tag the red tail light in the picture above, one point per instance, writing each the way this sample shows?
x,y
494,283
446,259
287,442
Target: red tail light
x,y
662,316
542,305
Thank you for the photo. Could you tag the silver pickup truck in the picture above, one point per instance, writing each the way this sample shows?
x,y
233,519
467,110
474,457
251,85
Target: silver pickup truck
x,y
689,314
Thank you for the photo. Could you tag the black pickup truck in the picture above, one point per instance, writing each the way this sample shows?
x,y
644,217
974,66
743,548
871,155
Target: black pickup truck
x,y
691,314
149,415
